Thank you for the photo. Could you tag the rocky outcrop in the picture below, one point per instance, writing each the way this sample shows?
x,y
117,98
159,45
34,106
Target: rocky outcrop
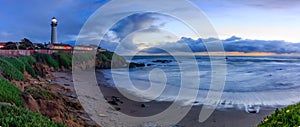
x,y
29,102
42,70
118,63
133,65
52,109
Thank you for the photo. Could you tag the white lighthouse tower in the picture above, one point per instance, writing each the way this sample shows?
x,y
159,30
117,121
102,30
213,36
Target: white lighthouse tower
x,y
53,30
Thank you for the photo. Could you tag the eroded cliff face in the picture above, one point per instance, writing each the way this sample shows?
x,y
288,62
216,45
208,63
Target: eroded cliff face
x,y
58,101
53,100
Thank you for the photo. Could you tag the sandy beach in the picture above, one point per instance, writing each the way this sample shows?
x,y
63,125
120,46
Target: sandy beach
x,y
220,118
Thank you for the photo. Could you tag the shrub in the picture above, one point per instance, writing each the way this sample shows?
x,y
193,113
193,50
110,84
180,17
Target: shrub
x,y
10,71
9,93
11,116
286,117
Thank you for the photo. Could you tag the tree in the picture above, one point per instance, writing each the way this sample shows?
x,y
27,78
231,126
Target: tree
x,y
26,44
10,45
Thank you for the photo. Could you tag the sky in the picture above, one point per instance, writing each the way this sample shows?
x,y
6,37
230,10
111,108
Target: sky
x,y
242,25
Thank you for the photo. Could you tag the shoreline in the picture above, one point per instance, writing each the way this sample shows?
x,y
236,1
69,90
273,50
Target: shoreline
x,y
226,117
220,117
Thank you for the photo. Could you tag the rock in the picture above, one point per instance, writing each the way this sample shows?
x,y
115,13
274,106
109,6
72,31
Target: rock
x,y
118,109
102,115
162,61
116,99
113,103
149,65
29,102
5,103
67,84
144,106
133,65
49,80
252,109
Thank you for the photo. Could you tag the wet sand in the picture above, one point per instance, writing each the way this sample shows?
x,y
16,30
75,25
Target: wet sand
x,y
220,117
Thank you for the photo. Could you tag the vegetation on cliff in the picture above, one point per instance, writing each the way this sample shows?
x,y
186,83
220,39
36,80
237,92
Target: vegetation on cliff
x,y
285,117
11,116
17,116
13,107
46,58
9,93
10,71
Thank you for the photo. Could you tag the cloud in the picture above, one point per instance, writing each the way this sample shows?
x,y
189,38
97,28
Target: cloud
x,y
233,44
123,32
135,22
268,4
31,18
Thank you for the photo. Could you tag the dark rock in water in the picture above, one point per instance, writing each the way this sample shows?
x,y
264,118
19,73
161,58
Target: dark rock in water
x,y
113,103
149,65
223,103
196,102
133,65
162,61
252,109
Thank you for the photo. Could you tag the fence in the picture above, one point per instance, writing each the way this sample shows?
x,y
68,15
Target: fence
x,y
25,52
44,51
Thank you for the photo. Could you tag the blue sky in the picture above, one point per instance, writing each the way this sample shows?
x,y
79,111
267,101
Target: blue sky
x,y
254,21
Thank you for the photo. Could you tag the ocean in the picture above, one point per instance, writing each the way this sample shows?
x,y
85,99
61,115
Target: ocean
x,y
272,81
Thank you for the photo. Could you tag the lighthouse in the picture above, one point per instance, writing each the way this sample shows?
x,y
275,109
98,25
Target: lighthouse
x,y
53,30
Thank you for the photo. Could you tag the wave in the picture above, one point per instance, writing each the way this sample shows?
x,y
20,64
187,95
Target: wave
x,y
250,80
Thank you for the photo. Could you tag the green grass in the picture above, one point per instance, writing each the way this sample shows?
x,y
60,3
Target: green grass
x,y
11,116
16,63
46,58
28,62
9,71
286,117
9,93
28,59
64,59
39,94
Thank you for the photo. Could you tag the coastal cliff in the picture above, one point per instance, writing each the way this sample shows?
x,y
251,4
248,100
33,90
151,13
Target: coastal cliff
x,y
30,84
